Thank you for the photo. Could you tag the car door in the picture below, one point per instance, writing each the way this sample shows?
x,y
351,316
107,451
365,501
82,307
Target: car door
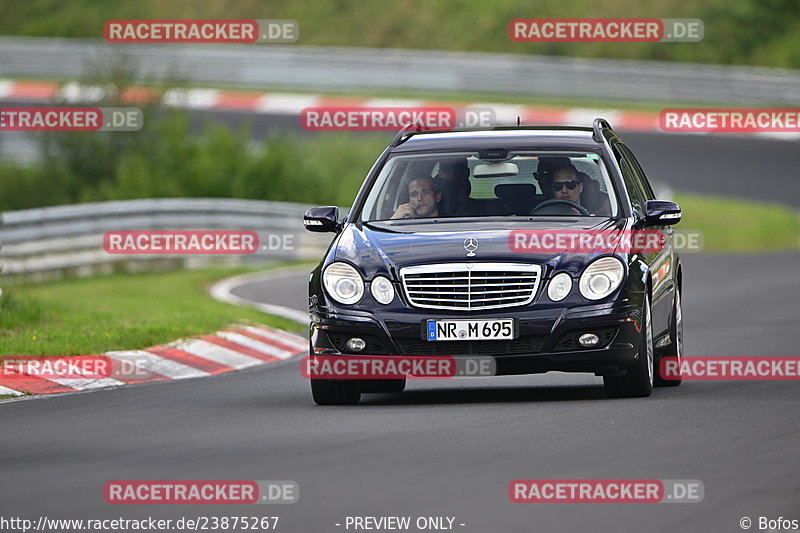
x,y
662,263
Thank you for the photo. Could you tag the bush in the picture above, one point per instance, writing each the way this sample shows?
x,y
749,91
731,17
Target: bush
x,y
165,159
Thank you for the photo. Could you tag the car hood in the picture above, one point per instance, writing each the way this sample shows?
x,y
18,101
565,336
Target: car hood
x,y
381,248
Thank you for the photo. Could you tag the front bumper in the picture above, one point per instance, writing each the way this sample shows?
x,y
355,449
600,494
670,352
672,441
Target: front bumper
x,y
545,339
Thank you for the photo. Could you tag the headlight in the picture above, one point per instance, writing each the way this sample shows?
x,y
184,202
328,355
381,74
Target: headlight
x,y
343,283
559,287
601,278
382,290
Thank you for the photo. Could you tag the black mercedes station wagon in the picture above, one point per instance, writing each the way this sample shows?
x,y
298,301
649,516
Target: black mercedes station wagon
x,y
424,263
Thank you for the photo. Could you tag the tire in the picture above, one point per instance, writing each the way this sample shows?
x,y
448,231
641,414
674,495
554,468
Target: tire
x,y
675,348
335,392
638,382
383,385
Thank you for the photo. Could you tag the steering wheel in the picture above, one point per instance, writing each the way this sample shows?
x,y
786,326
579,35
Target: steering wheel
x,y
556,201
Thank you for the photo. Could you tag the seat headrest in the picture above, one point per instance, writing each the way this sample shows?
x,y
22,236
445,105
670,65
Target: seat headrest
x,y
590,186
449,203
458,169
456,165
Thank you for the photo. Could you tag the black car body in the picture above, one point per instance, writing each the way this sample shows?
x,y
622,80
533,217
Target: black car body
x,y
634,325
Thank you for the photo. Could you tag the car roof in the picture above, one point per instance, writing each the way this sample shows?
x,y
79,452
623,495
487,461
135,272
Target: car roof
x,y
513,138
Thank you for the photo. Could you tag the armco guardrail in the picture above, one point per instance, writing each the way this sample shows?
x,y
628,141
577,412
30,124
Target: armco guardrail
x,y
320,68
70,238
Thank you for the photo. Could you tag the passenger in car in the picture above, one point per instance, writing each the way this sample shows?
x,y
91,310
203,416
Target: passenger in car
x,y
423,200
453,181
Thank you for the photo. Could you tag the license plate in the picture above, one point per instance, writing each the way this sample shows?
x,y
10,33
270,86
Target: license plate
x,y
470,330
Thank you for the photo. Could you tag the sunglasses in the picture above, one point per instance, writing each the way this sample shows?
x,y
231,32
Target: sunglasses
x,y
557,186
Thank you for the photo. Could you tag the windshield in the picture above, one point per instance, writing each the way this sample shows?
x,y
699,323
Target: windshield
x,y
463,185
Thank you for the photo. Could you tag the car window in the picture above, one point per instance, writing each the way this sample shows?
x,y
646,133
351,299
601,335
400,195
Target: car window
x,y
462,185
644,185
629,177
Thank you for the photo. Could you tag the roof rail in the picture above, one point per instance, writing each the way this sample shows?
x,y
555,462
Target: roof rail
x,y
597,126
407,131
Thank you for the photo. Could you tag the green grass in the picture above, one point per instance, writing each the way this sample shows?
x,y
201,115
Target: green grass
x,y
87,316
750,32
732,225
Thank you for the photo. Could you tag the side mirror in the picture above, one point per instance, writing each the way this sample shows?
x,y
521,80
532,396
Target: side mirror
x,y
661,213
322,219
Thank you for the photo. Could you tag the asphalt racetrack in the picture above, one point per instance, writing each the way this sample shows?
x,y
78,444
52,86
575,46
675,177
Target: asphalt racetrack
x,y
450,448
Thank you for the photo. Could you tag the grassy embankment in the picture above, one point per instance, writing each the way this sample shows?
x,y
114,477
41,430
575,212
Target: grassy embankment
x,y
746,32
117,312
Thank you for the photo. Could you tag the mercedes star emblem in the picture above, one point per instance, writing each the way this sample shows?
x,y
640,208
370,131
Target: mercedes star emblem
x,y
470,245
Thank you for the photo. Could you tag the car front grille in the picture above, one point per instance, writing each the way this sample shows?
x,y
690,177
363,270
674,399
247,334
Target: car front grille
x,y
470,286
523,345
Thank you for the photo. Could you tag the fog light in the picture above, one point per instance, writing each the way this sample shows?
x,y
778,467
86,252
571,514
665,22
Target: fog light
x,y
588,339
355,344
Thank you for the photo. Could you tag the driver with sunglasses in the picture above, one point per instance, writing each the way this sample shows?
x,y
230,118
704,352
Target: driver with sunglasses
x,y
566,186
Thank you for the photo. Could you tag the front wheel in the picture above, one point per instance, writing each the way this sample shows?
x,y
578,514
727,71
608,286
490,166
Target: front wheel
x,y
675,347
638,382
335,392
